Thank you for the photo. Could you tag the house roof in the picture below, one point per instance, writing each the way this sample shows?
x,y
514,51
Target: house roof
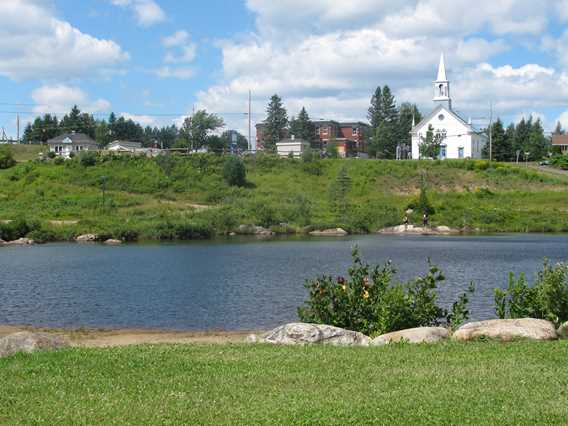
x,y
125,144
559,139
72,138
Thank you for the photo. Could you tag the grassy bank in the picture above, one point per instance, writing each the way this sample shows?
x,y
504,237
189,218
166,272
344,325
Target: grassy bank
x,y
477,383
181,198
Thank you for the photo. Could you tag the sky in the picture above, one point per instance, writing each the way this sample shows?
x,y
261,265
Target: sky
x,y
155,61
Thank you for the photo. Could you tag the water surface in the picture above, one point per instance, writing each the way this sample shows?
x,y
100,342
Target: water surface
x,y
237,285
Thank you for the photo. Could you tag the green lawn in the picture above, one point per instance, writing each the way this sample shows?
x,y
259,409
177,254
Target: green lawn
x,y
451,384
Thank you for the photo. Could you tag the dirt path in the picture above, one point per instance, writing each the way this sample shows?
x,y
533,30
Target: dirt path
x,y
114,338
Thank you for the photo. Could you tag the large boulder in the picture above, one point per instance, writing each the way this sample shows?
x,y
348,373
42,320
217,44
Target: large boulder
x,y
335,232
20,242
508,330
413,335
254,230
87,238
563,331
304,334
113,242
29,342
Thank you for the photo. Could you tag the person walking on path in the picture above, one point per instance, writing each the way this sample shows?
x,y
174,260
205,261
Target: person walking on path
x,y
425,219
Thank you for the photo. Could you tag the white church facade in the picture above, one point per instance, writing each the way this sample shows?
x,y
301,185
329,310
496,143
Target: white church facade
x,y
459,138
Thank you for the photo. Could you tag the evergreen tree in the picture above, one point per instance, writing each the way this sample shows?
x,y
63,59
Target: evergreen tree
x,y
537,143
375,114
522,132
501,144
302,127
386,140
510,136
389,110
558,130
276,123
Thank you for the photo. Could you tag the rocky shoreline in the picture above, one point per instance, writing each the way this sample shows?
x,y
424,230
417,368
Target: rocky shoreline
x,y
27,339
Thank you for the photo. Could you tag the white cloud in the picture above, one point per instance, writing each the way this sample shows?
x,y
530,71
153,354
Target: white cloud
x,y
330,56
180,51
60,98
179,38
147,12
181,73
35,44
143,120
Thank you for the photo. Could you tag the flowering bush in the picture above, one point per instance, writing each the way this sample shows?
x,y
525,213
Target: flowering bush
x,y
369,302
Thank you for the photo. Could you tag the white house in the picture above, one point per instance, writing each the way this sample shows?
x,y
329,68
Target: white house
x,y
68,143
460,139
292,146
124,146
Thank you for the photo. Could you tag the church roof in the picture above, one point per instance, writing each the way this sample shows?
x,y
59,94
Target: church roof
x,y
442,70
437,111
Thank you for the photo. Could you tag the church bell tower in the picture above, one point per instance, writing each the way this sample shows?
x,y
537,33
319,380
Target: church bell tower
x,y
442,86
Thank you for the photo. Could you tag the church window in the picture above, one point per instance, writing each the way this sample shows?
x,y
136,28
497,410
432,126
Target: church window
x,y
460,152
441,117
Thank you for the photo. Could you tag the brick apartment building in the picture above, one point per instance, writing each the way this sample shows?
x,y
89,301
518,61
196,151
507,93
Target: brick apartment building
x,y
349,137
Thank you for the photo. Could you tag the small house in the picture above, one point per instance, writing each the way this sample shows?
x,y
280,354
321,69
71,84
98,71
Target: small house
x,y
292,146
71,143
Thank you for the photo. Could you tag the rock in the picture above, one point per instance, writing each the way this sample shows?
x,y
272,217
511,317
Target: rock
x,y
87,238
563,331
413,335
507,330
419,230
2,242
303,334
112,242
20,242
28,342
252,338
254,230
232,234
337,232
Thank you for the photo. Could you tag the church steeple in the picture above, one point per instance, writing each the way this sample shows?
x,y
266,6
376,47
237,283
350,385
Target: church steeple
x,y
442,86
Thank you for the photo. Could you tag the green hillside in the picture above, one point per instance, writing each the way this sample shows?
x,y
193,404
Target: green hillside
x,y
180,197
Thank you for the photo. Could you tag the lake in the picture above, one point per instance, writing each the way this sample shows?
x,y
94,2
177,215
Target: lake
x,y
241,284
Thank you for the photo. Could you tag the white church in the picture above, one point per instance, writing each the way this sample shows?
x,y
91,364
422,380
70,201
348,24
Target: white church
x,y
460,139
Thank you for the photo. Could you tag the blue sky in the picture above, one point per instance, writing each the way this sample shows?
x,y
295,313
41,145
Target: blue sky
x,y
154,60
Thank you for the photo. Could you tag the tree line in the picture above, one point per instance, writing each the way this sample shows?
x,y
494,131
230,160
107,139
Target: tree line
x,y
201,130
525,140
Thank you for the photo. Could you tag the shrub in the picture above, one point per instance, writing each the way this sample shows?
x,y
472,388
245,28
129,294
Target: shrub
x,y
6,158
42,236
181,231
88,159
17,229
59,161
369,302
51,155
234,172
546,299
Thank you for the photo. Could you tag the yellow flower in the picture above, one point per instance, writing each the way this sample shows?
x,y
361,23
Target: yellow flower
x,y
365,294
344,287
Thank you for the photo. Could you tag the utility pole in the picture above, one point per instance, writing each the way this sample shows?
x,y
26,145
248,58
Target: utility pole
x,y
18,127
250,121
490,130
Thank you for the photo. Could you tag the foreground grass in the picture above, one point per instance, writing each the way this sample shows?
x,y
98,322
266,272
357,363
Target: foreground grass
x,y
478,383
